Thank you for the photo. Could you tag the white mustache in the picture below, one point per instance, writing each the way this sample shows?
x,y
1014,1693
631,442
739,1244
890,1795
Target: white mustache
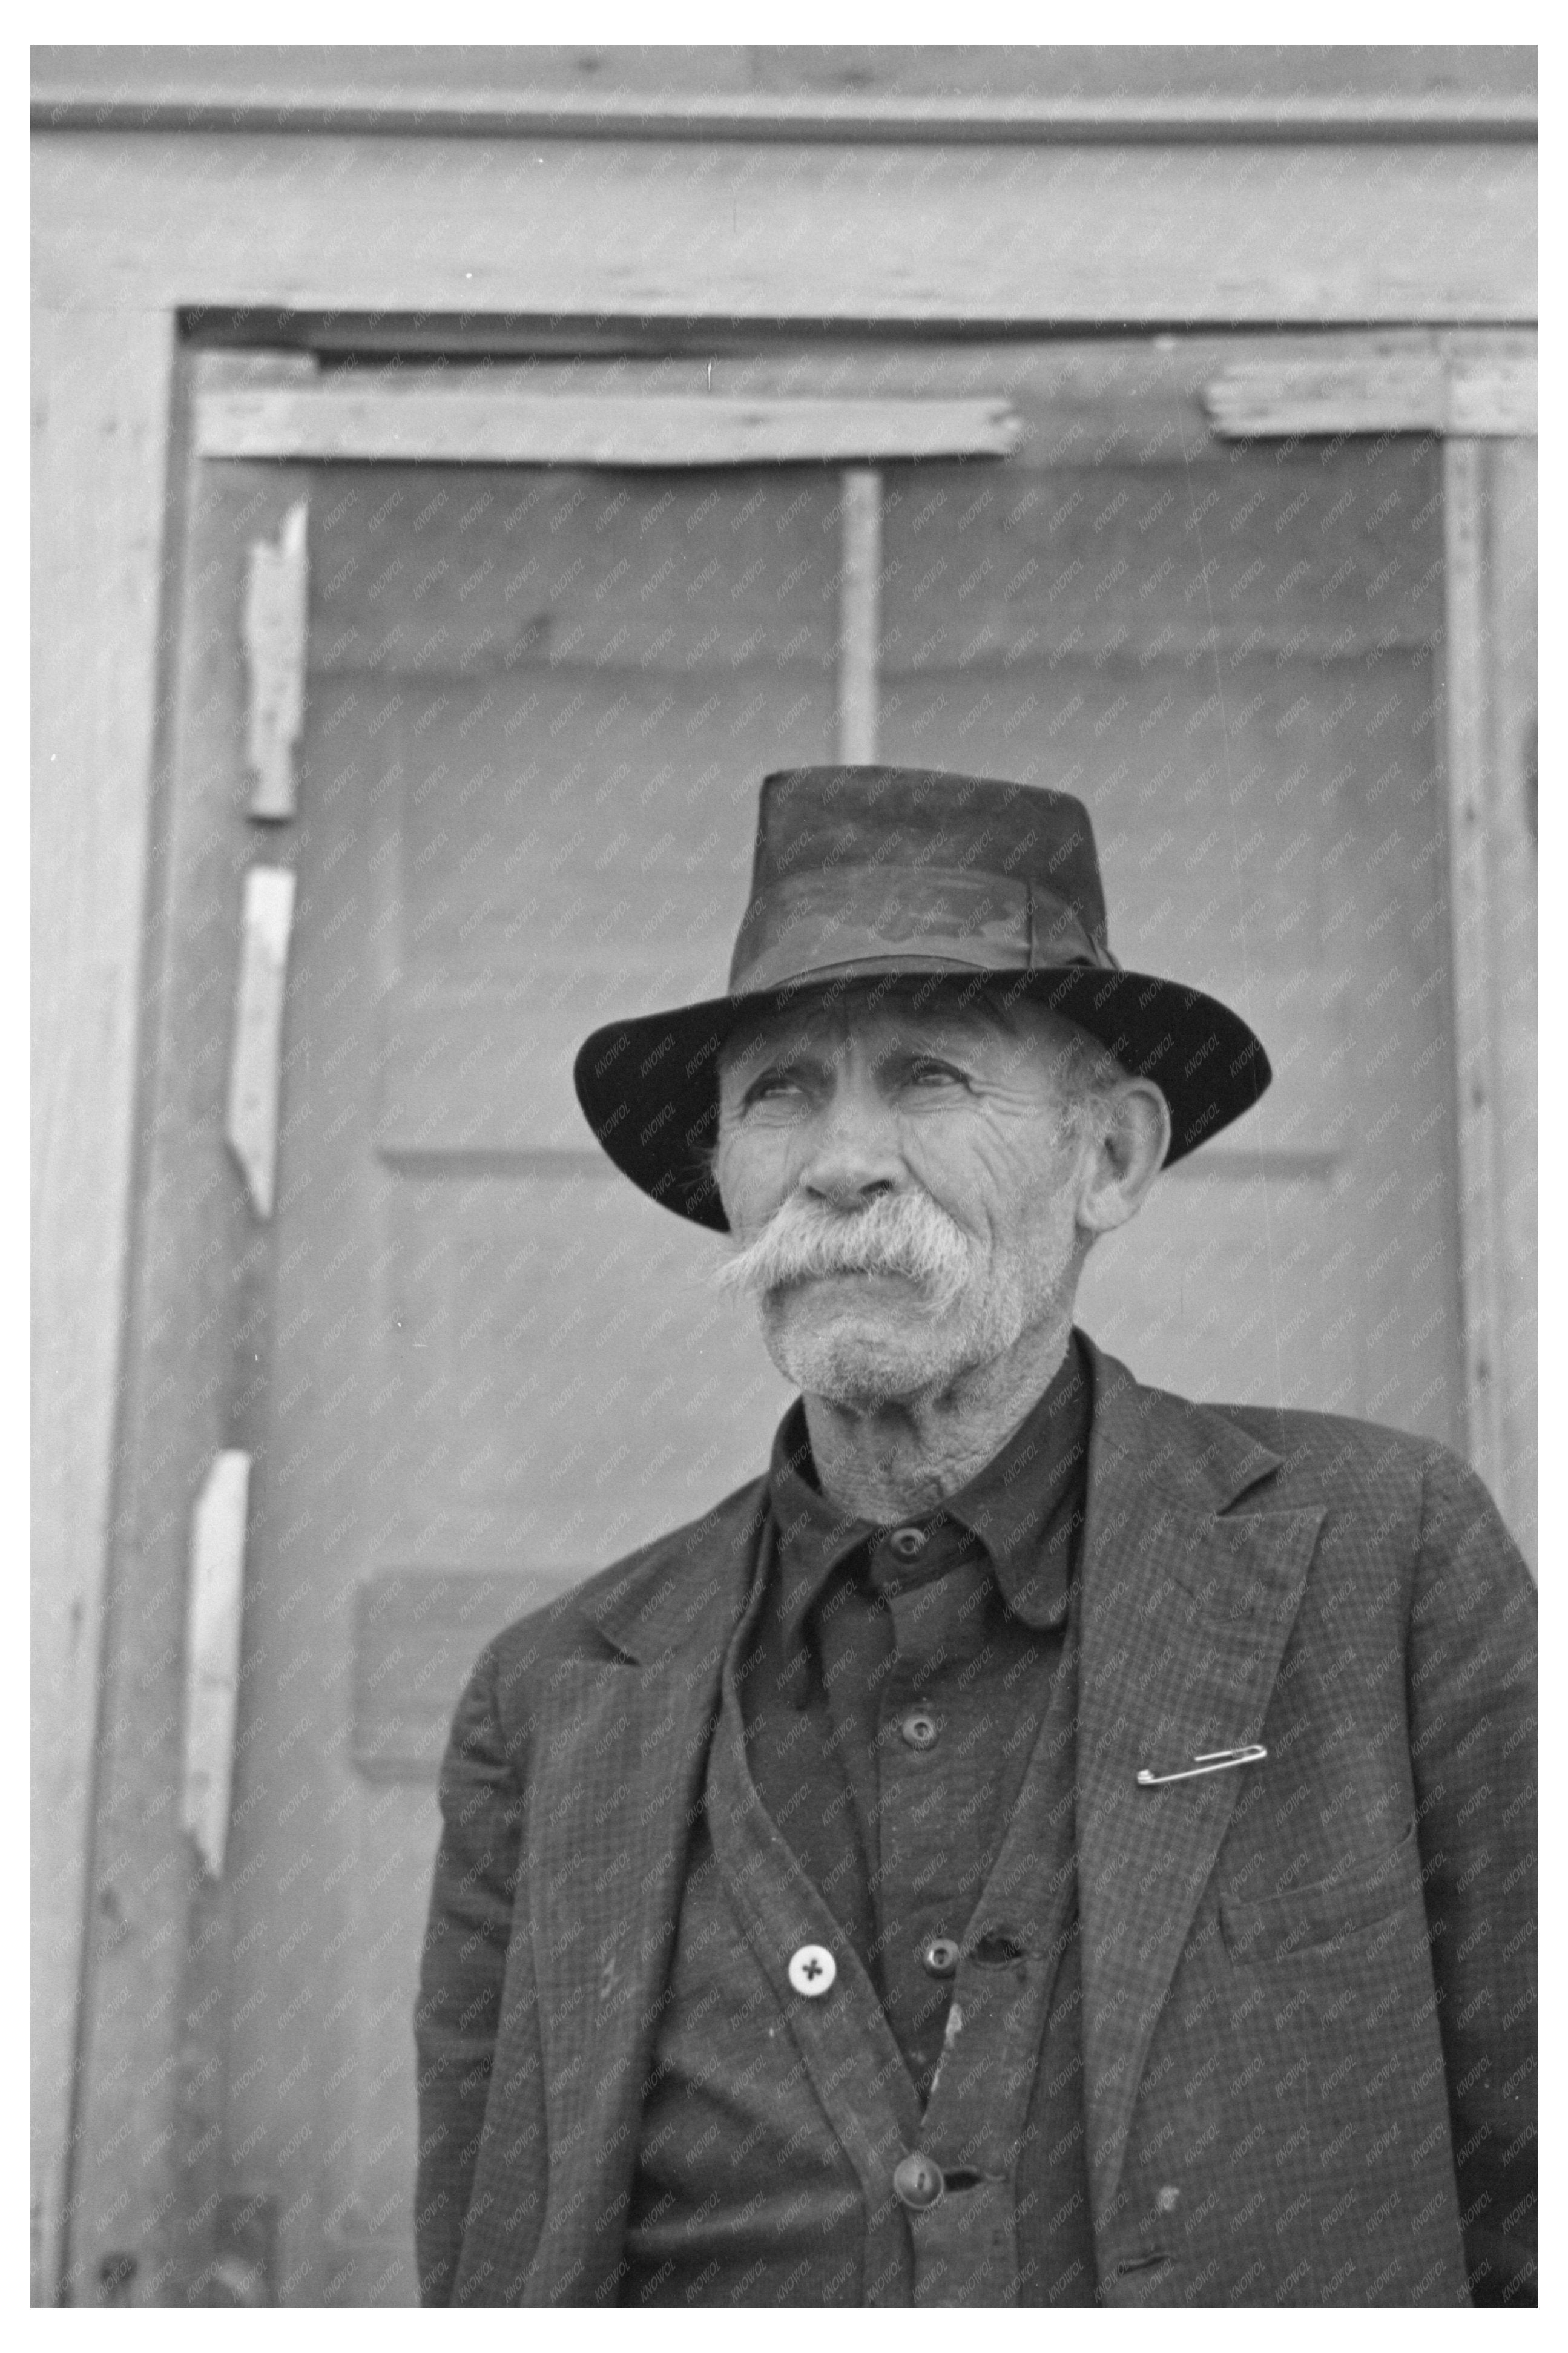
x,y
895,1233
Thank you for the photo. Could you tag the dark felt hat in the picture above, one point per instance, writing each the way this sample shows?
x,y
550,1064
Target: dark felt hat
x,y
865,871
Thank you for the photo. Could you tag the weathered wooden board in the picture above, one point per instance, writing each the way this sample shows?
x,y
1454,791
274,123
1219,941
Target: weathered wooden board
x,y
102,385
1468,767
187,1355
1514,825
1420,82
1490,709
1396,392
572,228
348,418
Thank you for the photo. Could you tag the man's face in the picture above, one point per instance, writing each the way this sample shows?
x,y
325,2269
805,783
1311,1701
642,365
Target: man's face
x,y
933,1137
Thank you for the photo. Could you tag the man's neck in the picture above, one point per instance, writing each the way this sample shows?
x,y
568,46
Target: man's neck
x,y
898,1459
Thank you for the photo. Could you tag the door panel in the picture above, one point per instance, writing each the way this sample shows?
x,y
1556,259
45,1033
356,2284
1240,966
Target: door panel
x,y
1279,848
1234,665
539,706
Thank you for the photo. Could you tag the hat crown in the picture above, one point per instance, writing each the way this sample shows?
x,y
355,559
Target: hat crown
x,y
863,871
863,866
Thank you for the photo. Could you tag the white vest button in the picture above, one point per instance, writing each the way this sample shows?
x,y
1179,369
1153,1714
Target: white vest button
x,y
813,1970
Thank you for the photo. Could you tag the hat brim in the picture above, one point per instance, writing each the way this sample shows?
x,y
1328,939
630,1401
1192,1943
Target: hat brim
x,y
648,1086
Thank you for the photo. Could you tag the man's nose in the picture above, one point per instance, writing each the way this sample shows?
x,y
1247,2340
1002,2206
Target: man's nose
x,y
852,1153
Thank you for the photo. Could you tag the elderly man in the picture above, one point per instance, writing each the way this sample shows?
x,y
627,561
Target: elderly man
x,y
1046,1841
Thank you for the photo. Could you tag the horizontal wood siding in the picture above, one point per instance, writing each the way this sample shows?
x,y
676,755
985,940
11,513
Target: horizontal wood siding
x,y
576,228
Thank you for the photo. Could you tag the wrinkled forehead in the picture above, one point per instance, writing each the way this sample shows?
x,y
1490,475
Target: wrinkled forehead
x,y
892,1016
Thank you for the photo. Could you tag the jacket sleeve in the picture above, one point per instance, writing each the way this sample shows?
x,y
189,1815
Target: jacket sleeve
x,y
462,1974
1472,1700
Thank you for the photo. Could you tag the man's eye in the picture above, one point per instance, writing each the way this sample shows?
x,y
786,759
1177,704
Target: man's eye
x,y
773,1084
928,1074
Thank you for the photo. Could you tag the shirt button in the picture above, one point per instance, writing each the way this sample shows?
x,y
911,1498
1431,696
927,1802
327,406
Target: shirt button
x,y
941,1956
1167,2199
813,1970
916,2182
908,1542
918,1728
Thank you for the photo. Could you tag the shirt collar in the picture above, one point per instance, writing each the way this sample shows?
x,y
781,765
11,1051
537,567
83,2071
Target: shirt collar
x,y
1008,1506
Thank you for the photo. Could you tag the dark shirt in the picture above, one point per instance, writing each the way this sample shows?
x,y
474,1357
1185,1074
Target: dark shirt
x,y
893,1687
890,1787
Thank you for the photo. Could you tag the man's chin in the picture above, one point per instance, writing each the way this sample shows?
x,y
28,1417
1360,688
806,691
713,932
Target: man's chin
x,y
858,1365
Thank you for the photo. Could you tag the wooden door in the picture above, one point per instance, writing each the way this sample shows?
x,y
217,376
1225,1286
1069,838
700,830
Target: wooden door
x,y
539,704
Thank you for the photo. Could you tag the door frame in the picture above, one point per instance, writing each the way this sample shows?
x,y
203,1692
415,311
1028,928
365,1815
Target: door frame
x,y
1478,393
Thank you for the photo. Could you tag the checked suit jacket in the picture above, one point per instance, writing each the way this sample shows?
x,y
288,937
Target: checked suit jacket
x,y
1309,1991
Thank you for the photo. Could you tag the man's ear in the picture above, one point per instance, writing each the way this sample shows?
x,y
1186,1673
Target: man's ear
x,y
1129,1139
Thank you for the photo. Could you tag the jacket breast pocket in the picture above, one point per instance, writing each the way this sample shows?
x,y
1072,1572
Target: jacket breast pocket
x,y
1327,1917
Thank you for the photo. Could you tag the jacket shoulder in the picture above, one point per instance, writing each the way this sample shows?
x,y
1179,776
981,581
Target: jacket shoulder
x,y
1221,1455
1325,1451
1378,1486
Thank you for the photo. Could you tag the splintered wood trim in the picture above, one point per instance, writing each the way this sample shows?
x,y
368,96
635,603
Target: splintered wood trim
x,y
351,421
860,613
277,590
250,1127
214,1612
1483,393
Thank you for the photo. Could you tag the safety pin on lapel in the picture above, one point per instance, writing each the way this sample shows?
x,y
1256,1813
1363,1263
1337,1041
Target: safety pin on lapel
x,y
1216,1760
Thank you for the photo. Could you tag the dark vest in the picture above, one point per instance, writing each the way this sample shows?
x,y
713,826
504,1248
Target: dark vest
x,y
779,2125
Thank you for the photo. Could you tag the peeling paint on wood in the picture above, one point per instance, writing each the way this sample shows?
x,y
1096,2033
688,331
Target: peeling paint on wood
x,y
251,1127
276,597
212,1653
1483,393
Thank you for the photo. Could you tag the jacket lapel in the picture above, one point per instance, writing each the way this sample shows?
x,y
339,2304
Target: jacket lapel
x,y
1186,1609
621,1748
